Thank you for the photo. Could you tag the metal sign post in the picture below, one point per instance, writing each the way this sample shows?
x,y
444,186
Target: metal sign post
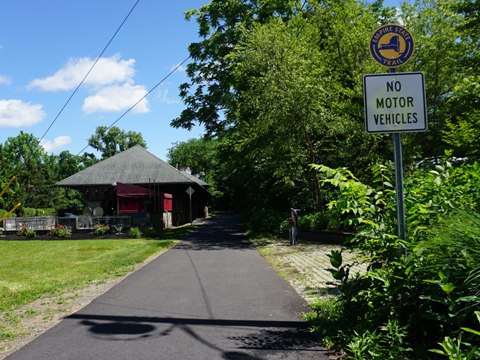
x,y
394,103
398,160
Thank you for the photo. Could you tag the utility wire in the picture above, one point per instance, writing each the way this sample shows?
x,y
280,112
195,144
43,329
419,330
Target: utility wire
x,y
89,71
83,80
140,100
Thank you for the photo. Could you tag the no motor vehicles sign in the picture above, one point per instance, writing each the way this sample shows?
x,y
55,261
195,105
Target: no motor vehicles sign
x,y
395,102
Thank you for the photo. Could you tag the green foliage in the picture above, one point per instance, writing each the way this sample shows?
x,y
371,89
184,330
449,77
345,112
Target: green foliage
x,y
388,342
209,92
432,292
200,155
458,349
46,212
110,141
4,212
264,221
135,232
26,231
29,212
61,231
327,321
327,220
101,229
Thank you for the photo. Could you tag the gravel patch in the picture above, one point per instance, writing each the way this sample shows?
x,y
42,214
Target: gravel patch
x,y
305,265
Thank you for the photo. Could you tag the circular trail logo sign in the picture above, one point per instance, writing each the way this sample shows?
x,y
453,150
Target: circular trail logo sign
x,y
391,45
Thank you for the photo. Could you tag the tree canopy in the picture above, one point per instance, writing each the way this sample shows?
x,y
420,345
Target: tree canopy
x,y
278,84
111,141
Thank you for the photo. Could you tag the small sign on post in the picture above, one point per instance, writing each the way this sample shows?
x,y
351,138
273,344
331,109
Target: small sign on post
x,y
190,192
394,102
391,45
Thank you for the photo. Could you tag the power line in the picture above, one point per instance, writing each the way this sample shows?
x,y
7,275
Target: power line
x,y
89,71
83,80
140,100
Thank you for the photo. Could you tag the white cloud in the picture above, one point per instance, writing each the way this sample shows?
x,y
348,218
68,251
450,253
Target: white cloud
x,y
107,71
117,98
165,98
58,142
4,80
16,113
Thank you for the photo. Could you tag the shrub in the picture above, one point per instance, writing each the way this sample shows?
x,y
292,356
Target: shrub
x,y
319,221
29,212
4,212
26,231
134,232
46,212
101,229
264,221
61,231
425,293
150,231
30,233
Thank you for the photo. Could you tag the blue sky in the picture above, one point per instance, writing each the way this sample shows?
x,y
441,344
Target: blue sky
x,y
46,47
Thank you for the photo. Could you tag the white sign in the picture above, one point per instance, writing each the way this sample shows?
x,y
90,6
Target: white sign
x,y
395,102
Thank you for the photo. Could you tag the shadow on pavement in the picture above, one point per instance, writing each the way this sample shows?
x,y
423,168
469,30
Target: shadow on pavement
x,y
265,335
218,233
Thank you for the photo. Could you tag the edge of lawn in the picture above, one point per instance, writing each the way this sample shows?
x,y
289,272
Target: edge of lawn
x,y
25,323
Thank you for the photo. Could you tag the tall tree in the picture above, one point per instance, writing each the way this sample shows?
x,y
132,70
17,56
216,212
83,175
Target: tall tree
x,y
114,140
463,123
201,156
209,97
27,160
439,54
298,88
197,154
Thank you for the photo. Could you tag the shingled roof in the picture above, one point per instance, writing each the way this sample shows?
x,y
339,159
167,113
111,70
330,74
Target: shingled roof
x,y
133,166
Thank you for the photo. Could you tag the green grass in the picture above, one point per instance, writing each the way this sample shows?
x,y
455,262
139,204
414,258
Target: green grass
x,y
30,270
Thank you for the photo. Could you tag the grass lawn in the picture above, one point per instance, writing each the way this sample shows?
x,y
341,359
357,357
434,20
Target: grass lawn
x,y
30,270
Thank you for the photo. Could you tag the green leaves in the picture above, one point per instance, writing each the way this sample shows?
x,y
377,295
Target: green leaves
x,y
110,141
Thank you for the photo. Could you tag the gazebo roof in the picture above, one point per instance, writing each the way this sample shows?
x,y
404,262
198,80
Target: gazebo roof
x,y
133,166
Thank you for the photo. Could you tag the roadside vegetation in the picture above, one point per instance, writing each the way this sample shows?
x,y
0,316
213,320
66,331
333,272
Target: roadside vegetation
x,y
420,297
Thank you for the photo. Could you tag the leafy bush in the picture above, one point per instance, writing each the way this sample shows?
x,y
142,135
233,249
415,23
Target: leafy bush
x,y
457,348
61,231
386,342
424,294
46,212
4,212
135,232
150,231
264,221
328,220
101,229
27,232
29,212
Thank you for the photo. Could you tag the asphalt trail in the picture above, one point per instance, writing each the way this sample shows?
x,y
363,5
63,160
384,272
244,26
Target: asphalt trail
x,y
211,297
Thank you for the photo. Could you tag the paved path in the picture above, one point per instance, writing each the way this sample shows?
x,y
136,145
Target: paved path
x,y
211,297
